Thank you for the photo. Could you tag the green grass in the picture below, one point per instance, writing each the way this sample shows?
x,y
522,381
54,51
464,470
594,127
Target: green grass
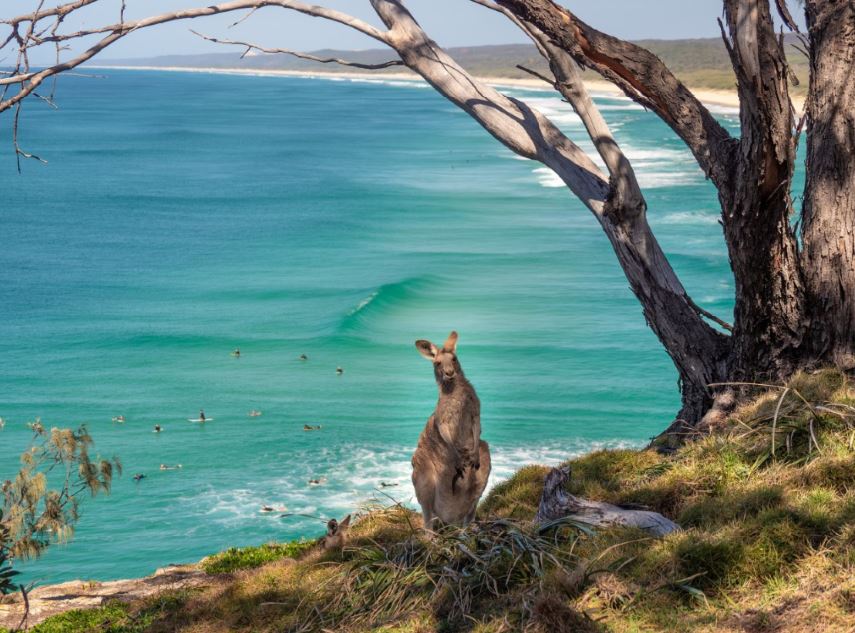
x,y
116,616
768,545
236,558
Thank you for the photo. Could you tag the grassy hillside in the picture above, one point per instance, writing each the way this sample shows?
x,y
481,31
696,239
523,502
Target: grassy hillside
x,y
767,504
701,63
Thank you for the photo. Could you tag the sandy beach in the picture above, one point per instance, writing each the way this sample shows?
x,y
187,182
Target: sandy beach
x,y
720,98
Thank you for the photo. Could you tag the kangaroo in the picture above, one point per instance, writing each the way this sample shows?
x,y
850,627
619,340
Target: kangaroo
x,y
451,463
336,533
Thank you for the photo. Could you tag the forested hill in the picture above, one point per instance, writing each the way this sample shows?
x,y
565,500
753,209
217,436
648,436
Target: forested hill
x,y
701,63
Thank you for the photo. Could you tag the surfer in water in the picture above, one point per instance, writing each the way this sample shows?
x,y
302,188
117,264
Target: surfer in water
x,y
339,371
303,357
157,428
236,353
314,427
139,477
201,415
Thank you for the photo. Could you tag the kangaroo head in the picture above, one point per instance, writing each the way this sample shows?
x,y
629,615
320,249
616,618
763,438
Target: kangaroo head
x,y
446,367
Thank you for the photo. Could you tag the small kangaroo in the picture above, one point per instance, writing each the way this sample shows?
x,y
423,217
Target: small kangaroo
x,y
451,463
336,535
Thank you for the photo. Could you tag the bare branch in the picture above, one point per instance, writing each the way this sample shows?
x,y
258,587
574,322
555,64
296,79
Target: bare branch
x,y
534,73
640,74
29,81
285,51
226,7
784,12
519,127
490,4
620,211
248,15
58,11
709,315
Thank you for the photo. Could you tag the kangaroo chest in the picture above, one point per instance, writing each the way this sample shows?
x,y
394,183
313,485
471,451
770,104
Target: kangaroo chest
x,y
454,415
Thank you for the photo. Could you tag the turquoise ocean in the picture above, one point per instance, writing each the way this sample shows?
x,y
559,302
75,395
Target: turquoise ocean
x,y
183,215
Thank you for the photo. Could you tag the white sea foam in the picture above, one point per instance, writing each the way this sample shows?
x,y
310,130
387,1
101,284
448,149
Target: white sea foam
x,y
353,476
367,300
547,178
689,217
656,179
559,112
400,83
658,155
624,106
728,111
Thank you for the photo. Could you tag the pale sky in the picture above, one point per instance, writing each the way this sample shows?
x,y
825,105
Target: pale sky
x,y
450,22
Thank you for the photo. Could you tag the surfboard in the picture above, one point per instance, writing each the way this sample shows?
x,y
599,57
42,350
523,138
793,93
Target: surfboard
x,y
200,420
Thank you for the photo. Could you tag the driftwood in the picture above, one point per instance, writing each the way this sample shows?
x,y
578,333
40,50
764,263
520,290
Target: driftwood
x,y
556,503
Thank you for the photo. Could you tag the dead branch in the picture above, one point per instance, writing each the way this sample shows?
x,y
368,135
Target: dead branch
x,y
556,503
285,51
641,75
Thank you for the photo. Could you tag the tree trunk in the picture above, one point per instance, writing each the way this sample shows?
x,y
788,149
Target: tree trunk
x,y
828,216
756,204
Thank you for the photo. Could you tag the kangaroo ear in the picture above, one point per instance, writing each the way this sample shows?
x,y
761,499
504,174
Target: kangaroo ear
x,y
450,344
345,522
426,349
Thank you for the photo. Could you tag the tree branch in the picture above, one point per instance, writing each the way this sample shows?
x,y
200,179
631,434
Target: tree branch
x,y
640,74
29,81
697,349
285,51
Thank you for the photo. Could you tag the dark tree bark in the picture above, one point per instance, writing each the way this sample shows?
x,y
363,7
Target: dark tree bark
x,y
756,205
828,215
793,309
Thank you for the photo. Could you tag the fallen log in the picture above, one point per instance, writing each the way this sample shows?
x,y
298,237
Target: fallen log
x,y
557,503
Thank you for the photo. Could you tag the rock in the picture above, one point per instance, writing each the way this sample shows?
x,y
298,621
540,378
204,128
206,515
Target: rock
x,y
86,594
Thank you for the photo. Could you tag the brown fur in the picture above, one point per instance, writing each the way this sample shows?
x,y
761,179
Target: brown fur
x,y
336,533
451,463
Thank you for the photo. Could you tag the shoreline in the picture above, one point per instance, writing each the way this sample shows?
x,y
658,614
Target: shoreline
x,y
708,96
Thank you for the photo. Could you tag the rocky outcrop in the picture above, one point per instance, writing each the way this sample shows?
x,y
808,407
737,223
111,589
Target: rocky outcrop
x,y
83,594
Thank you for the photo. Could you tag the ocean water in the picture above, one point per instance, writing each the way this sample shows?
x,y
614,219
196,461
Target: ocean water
x,y
182,215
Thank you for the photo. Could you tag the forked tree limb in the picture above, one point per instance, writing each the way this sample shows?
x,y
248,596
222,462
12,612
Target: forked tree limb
x,y
670,312
625,195
640,74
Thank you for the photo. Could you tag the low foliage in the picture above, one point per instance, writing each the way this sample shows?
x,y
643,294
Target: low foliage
x,y
236,558
117,617
34,514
